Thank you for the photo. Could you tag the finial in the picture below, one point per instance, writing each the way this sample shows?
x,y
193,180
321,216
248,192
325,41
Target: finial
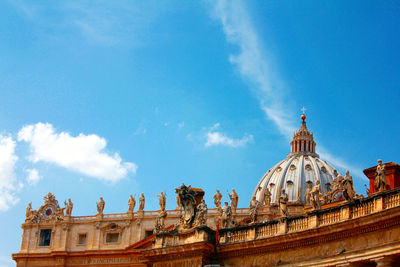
x,y
303,117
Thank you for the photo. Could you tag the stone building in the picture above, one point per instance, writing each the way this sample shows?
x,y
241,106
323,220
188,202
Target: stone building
x,y
303,212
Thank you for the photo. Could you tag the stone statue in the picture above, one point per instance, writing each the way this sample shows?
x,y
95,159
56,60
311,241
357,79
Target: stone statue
x,y
160,222
131,204
100,206
337,182
201,214
283,200
217,199
253,209
267,197
234,200
315,195
187,197
141,202
380,178
162,201
69,206
307,194
28,212
348,188
226,217
178,203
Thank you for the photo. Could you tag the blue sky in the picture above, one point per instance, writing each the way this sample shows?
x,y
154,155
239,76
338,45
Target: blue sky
x,y
117,98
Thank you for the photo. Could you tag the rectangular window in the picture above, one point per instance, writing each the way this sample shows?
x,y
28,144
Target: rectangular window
x,y
82,239
112,238
45,237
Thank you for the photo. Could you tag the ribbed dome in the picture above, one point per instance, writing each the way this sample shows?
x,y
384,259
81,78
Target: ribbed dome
x,y
301,166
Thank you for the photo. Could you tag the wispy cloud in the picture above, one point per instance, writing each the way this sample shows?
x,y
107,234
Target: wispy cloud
x,y
33,176
105,23
82,154
8,181
257,69
215,138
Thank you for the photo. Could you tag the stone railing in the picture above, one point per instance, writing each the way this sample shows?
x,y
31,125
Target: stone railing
x,y
313,219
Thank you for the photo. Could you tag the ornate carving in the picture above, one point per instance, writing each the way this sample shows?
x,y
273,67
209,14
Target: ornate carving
x,y
178,203
217,199
131,204
100,206
188,200
234,200
160,222
48,212
380,178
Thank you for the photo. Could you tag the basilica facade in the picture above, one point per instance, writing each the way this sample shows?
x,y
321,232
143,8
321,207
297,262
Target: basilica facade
x,y
302,212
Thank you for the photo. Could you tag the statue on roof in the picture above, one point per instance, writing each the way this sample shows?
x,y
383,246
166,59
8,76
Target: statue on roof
x,y
316,195
348,189
234,200
160,222
217,199
131,204
307,194
267,197
201,214
283,200
141,202
162,200
69,206
380,178
253,209
100,206
226,216
187,197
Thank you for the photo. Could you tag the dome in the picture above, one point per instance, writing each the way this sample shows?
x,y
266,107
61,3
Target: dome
x,y
301,167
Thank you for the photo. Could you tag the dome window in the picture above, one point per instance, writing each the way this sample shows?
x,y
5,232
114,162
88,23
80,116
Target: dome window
x,y
278,169
308,167
292,167
272,186
289,184
328,186
323,169
335,173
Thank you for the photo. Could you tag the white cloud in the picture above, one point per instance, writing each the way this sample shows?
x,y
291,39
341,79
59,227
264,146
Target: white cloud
x,y
83,153
215,138
257,69
8,182
33,176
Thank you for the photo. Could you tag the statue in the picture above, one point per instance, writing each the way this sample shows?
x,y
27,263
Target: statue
x,y
69,206
234,200
187,197
253,209
131,204
226,217
380,178
283,200
337,182
28,212
267,197
315,195
178,203
162,201
160,222
307,194
348,189
201,214
141,202
100,206
217,199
